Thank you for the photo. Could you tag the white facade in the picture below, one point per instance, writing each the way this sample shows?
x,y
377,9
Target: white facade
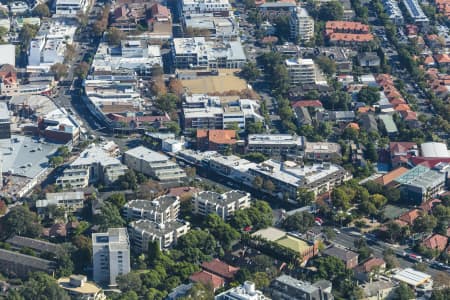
x,y
246,291
205,203
68,200
204,6
70,8
111,255
302,25
8,54
301,71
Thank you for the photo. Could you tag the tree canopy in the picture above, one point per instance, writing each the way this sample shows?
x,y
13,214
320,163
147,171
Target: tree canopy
x,y
21,221
300,221
41,286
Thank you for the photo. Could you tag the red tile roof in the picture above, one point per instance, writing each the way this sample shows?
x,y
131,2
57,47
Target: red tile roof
x,y
341,26
429,205
220,268
218,136
410,216
391,176
370,264
429,162
401,147
307,103
436,241
409,115
207,279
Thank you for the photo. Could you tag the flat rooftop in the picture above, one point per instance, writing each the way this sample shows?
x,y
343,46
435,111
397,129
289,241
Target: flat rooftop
x,y
159,204
286,139
222,199
412,277
146,154
156,228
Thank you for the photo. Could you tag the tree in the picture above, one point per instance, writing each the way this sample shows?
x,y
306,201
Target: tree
x,y
176,87
127,181
261,280
330,267
110,217
199,292
60,70
440,294
394,231
250,72
300,221
305,197
404,292
255,157
222,231
369,95
378,200
424,223
258,182
55,161
129,282
327,65
282,27
83,254
81,70
173,127
42,286
21,221
254,127
63,151
130,295
331,11
154,252
115,36
197,245
118,199
3,207
70,53
167,102
41,11
27,33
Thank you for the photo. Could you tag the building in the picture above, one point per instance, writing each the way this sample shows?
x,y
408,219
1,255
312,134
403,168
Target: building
x,y
5,122
416,13
433,149
8,57
400,152
78,287
197,53
275,145
347,33
301,71
216,7
166,234
377,290
219,268
414,278
16,264
322,151
436,242
211,26
208,279
369,59
70,201
367,270
70,8
154,164
216,140
94,165
421,183
246,291
160,20
393,11
288,177
286,287
19,242
302,25
349,258
207,202
160,210
9,85
110,255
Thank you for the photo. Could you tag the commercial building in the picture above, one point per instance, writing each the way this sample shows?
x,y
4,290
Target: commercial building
x,y
166,234
275,145
5,121
20,265
414,278
160,21
421,183
286,287
416,13
160,210
301,71
92,166
216,7
154,164
8,57
70,201
302,25
197,53
78,287
211,26
207,202
393,11
289,176
246,291
70,8
322,151
216,140
110,255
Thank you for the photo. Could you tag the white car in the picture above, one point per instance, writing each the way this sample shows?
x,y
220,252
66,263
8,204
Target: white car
x,y
336,230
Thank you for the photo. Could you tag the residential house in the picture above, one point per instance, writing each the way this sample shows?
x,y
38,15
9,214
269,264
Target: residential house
x,y
349,258
220,268
436,242
369,59
160,20
400,152
78,287
208,279
378,290
369,269
347,33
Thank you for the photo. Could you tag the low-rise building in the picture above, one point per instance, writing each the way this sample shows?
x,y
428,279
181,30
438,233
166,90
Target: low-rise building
x,y
349,258
8,55
416,13
286,287
216,140
377,290
220,268
161,210
275,145
70,8
70,201
246,291
39,246
207,202
217,7
322,151
414,278
166,234
78,287
16,264
347,33
154,164
301,71
368,269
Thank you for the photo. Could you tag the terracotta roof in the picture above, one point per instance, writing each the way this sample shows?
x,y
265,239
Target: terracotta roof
x,y
207,279
370,264
429,162
307,103
436,241
218,136
442,58
410,216
353,125
350,37
346,26
429,60
401,107
160,10
391,176
429,205
409,115
220,268
269,39
401,147
365,109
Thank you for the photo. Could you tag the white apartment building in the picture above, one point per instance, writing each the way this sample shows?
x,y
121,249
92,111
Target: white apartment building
x,y
153,164
197,53
302,25
301,71
166,234
93,165
393,11
205,6
207,202
416,13
70,201
70,8
246,291
161,210
110,255
275,145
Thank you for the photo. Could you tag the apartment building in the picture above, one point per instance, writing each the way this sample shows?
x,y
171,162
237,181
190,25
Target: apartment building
x,y
393,11
166,234
246,291
323,151
275,145
160,210
347,33
211,26
207,202
70,8
301,71
286,287
94,165
216,140
416,13
111,255
20,265
302,25
154,164
216,7
70,201
5,121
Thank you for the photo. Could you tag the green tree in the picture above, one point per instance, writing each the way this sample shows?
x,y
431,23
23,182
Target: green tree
x,y
222,231
197,246
41,11
327,65
118,199
154,252
440,294
110,217
404,292
129,282
21,221
81,70
167,102
60,70
199,292
83,254
424,223
173,127
254,127
300,221
261,280
282,27
27,33
305,197
55,161
127,181
331,11
63,151
330,267
41,286
369,95
255,157
250,72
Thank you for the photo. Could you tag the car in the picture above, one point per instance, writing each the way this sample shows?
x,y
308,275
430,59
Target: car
x,y
355,233
337,231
